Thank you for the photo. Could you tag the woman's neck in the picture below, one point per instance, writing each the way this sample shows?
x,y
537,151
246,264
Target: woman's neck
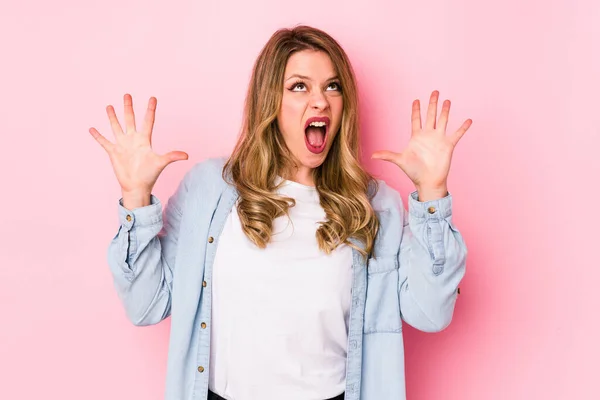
x,y
302,175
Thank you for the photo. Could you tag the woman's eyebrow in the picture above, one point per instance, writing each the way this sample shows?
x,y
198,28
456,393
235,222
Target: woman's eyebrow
x,y
307,77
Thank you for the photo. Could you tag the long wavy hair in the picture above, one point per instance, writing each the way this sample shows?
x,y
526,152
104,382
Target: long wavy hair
x,y
261,155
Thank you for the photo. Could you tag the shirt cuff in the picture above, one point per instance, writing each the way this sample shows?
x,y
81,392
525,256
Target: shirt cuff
x,y
432,209
144,216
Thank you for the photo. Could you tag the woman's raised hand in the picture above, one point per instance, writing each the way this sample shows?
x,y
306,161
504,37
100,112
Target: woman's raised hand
x,y
426,159
136,166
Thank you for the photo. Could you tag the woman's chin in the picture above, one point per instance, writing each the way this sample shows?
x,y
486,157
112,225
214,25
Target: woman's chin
x,y
312,160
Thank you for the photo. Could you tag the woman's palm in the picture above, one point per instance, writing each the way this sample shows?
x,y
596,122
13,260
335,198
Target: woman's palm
x,y
135,164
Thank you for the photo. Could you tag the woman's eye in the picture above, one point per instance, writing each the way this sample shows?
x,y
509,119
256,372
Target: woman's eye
x,y
335,85
299,86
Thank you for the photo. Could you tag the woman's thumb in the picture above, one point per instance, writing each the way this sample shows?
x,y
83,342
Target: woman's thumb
x,y
390,156
175,156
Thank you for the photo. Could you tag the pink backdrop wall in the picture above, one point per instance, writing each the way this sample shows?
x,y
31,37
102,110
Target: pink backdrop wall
x,y
525,177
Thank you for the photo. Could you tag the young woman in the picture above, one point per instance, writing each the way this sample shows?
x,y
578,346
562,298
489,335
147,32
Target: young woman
x,y
286,268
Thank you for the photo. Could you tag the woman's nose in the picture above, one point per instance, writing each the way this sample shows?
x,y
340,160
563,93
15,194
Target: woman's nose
x,y
319,101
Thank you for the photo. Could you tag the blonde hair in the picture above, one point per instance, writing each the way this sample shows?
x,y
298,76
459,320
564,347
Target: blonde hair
x,y
260,155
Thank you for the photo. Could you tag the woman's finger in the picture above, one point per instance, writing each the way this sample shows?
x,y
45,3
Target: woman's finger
x,y
149,118
129,114
461,131
416,116
105,143
114,122
432,110
443,122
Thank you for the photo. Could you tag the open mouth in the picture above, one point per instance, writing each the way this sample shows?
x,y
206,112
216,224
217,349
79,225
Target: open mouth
x,y
315,134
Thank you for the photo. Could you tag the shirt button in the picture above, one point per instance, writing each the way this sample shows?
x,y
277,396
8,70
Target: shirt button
x,y
203,283
458,290
431,210
211,239
203,325
201,369
128,218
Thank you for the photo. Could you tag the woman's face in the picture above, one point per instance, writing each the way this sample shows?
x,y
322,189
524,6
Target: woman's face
x,y
311,110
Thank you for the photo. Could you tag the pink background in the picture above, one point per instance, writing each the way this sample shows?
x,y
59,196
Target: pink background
x,y
525,177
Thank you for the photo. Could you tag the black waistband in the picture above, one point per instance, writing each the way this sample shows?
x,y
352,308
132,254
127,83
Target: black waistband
x,y
214,396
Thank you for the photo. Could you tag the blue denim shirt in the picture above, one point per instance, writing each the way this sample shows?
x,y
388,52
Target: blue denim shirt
x,y
162,265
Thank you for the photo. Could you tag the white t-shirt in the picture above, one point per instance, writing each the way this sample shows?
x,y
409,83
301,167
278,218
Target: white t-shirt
x,y
280,315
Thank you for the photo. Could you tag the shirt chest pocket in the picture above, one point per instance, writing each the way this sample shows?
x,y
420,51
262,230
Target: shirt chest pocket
x,y
382,307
